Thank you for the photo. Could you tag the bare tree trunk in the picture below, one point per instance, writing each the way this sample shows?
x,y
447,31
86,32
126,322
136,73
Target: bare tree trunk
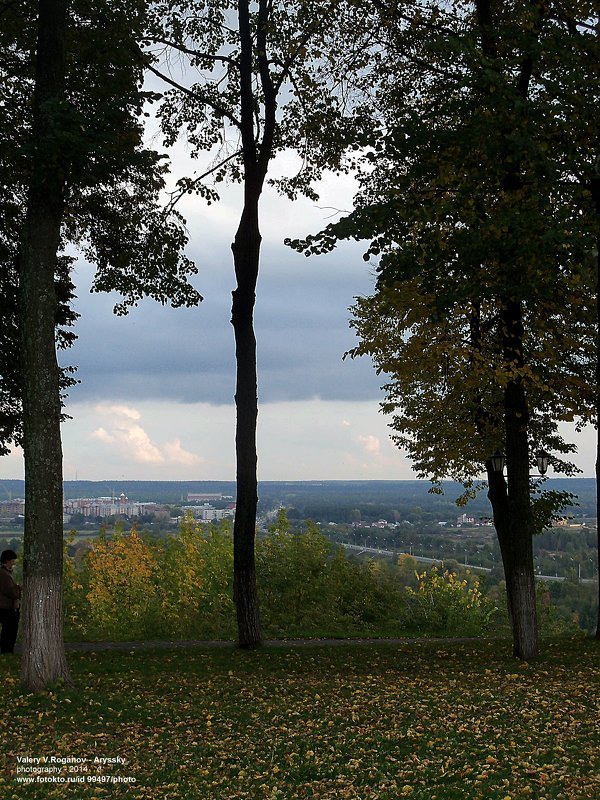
x,y
246,251
44,661
246,256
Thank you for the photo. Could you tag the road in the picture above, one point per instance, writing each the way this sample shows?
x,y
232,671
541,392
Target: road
x,y
359,549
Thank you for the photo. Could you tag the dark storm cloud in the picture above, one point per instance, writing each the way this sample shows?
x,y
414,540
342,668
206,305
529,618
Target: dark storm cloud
x,y
188,354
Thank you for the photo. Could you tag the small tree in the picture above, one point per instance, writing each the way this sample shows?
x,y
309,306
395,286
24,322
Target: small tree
x,y
257,82
122,592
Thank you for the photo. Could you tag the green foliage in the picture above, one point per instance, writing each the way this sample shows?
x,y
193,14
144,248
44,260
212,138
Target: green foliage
x,y
309,587
282,60
112,181
443,603
477,195
131,587
195,575
121,590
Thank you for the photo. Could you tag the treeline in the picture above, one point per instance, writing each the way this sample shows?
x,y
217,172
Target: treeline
x,y
324,501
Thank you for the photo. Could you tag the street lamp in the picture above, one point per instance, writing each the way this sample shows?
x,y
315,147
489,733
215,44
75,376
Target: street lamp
x,y
543,459
498,460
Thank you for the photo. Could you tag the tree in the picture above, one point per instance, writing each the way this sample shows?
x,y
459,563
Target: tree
x,y
44,659
257,82
78,172
472,201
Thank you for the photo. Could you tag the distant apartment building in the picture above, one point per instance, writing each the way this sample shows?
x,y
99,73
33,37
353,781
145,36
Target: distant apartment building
x,y
108,507
11,508
207,513
203,498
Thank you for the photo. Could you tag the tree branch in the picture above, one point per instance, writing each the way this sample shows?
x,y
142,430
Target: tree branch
x,y
197,54
287,64
176,196
528,61
195,93
269,90
246,93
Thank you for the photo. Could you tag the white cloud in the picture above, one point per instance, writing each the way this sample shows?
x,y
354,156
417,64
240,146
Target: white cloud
x,y
120,410
176,454
122,431
309,440
371,444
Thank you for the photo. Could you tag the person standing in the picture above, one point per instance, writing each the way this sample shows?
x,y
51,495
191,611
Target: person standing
x,y
10,596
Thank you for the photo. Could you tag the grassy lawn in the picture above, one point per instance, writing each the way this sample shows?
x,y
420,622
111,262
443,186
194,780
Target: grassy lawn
x,y
426,720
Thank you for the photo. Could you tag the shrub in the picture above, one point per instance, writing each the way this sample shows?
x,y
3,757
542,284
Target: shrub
x,y
308,587
121,588
444,604
130,586
196,582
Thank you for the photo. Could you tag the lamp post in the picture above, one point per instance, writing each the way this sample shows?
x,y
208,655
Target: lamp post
x,y
498,461
543,459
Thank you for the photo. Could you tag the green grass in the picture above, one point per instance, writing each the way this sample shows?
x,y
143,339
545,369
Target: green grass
x,y
423,720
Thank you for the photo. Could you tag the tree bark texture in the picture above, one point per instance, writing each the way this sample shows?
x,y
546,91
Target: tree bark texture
x,y
246,252
498,497
520,581
596,198
43,662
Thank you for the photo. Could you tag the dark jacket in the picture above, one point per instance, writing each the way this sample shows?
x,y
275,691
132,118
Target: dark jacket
x,y
10,591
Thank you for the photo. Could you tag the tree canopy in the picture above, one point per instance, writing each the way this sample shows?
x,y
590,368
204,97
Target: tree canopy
x,y
477,192
113,182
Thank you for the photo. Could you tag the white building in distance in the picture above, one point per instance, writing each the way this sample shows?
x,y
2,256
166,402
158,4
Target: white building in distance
x,y
108,507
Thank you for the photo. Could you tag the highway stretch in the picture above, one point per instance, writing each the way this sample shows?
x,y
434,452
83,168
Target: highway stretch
x,y
358,549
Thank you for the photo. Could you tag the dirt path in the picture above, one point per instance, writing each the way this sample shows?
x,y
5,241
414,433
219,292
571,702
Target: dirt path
x,y
178,644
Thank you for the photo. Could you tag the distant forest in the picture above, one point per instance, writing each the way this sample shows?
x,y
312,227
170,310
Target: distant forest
x,y
340,501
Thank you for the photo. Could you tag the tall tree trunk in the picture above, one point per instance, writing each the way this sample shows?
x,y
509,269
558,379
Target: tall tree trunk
x,y
515,531
521,581
498,498
44,661
246,256
596,196
246,252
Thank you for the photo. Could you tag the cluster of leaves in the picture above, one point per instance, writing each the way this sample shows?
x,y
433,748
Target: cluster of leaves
x,y
309,588
131,586
423,721
300,101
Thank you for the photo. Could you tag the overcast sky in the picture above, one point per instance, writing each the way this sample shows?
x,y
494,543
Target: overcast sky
x,y
156,394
